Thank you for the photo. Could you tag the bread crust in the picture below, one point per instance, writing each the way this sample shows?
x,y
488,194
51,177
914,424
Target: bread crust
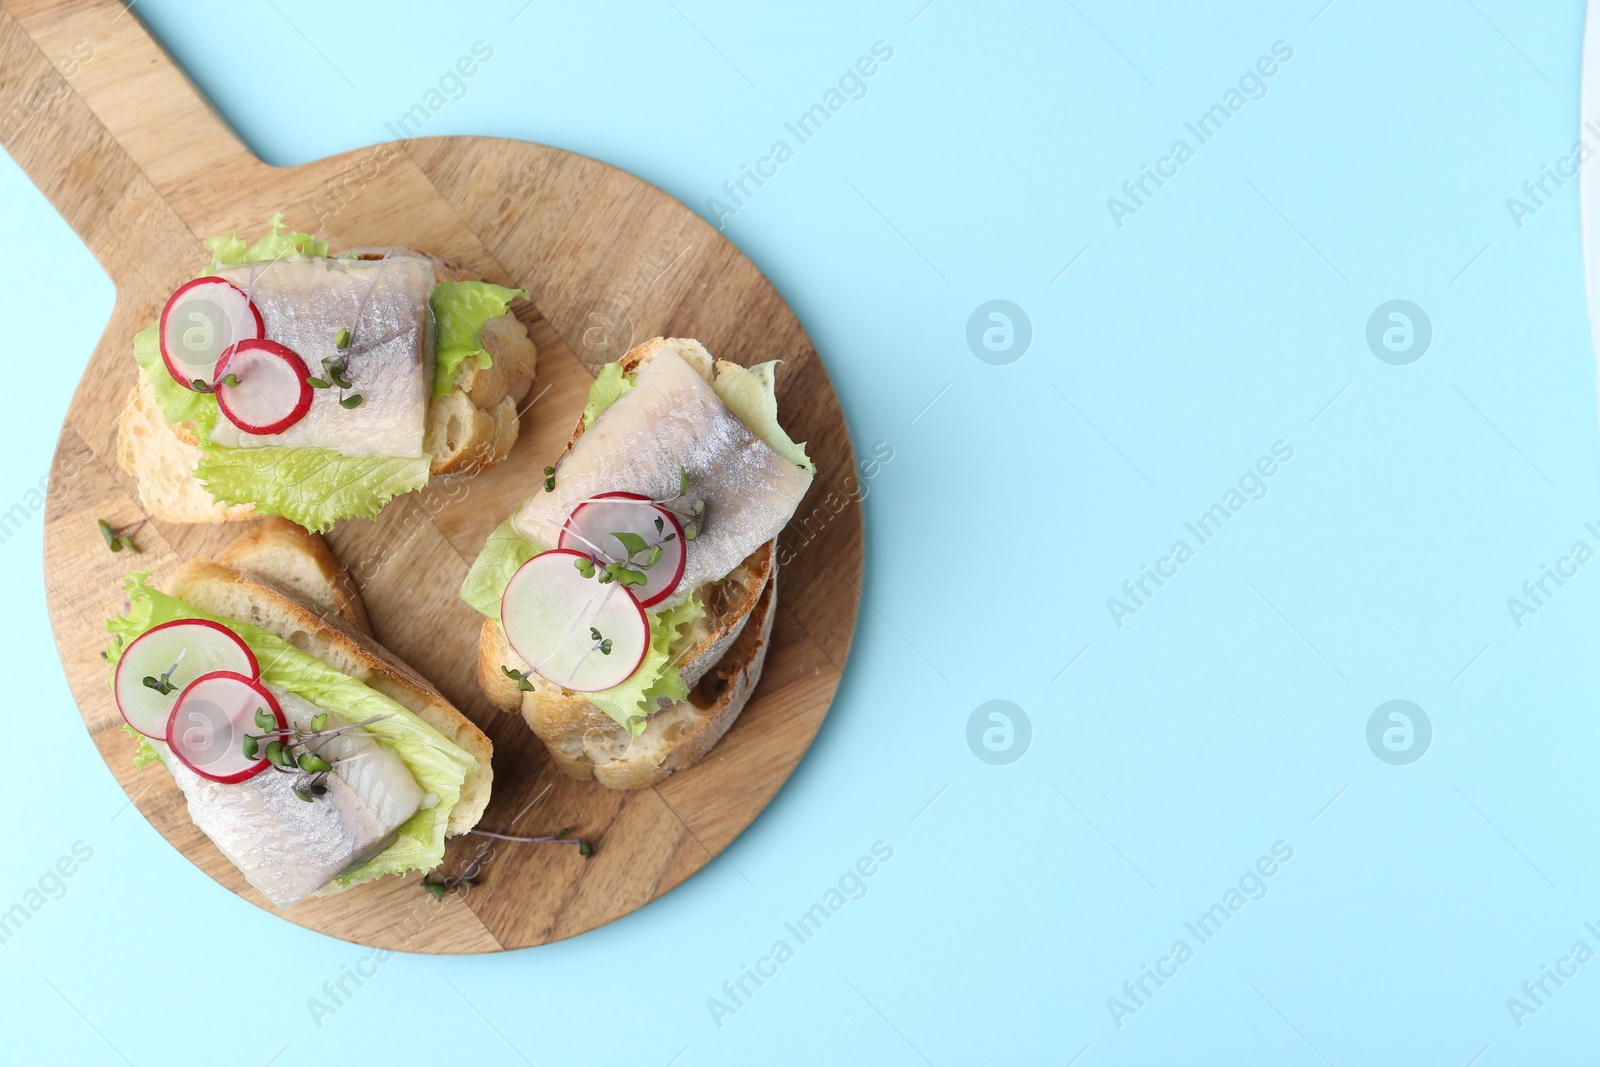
x,y
728,648
286,555
225,590
471,428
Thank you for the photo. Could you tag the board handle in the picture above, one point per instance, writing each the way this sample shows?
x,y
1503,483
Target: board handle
x,y
85,87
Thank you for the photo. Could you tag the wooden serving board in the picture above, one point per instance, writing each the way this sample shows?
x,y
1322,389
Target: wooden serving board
x,y
137,162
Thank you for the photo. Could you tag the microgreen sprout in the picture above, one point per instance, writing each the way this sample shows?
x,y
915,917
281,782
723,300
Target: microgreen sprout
x,y
353,400
520,677
628,570
163,684
602,645
695,517
333,370
296,751
341,340
560,837
119,538
467,879
199,385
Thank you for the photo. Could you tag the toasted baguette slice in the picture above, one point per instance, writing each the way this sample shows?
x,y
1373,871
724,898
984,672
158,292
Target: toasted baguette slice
x,y
287,555
260,599
719,658
471,428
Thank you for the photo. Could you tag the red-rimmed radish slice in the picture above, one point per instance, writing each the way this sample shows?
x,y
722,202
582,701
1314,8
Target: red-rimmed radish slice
x,y
273,393
200,322
188,648
592,524
550,611
209,721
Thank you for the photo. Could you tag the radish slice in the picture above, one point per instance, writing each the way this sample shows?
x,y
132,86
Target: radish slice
x,y
209,721
200,322
187,648
593,523
551,613
273,393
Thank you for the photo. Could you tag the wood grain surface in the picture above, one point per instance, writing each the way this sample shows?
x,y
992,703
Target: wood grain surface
x,y
143,169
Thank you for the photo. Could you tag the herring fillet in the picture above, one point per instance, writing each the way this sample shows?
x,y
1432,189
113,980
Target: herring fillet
x,y
670,421
304,302
288,848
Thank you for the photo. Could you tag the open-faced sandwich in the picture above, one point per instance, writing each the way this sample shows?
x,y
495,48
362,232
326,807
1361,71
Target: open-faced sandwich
x,y
629,601
312,757
287,381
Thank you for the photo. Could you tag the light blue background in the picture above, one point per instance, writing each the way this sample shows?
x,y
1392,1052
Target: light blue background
x,y
1223,717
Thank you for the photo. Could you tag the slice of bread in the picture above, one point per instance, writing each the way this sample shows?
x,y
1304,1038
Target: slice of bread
x,y
719,658
471,428
261,595
287,555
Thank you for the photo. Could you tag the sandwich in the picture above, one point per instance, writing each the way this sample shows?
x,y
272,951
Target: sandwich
x,y
311,757
628,602
287,381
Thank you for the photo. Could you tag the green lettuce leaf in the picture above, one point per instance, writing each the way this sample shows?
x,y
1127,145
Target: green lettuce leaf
x,y
144,753
606,389
314,487
229,249
439,766
631,703
502,554
751,394
459,311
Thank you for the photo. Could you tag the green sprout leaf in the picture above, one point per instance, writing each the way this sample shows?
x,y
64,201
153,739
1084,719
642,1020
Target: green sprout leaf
x,y
520,677
632,543
115,539
341,340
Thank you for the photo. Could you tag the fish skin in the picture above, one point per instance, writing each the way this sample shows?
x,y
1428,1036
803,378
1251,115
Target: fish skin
x,y
669,421
288,848
303,303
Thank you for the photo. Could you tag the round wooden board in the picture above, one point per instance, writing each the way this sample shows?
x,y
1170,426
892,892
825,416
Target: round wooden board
x,y
143,169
